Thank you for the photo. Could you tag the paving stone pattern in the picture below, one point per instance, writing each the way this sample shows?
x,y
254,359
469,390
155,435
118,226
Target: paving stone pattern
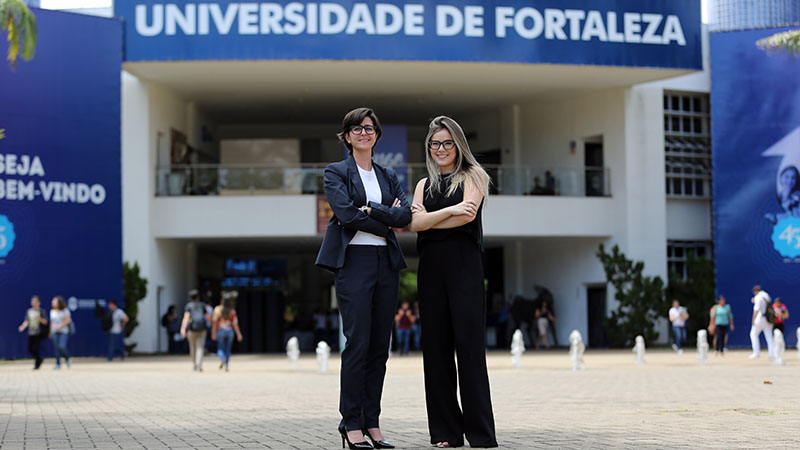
x,y
158,402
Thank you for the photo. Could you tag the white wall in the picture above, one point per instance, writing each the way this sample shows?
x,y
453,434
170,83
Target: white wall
x,y
688,219
235,216
565,266
549,216
148,113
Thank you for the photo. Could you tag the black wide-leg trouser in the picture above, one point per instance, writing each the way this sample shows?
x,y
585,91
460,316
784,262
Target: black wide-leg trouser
x,y
452,306
366,289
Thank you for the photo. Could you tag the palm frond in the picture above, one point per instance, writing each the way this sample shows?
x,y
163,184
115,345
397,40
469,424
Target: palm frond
x,y
788,41
19,23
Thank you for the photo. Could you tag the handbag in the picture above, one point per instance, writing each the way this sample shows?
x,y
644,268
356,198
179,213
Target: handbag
x,y
72,328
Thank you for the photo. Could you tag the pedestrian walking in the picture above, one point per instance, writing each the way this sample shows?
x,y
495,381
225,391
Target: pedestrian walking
x,y
116,335
320,320
722,318
760,322
224,325
361,248
405,322
60,326
173,327
416,329
678,316
543,319
447,216
781,313
194,327
36,323
333,329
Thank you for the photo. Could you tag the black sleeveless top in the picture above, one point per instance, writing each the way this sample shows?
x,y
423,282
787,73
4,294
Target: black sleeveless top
x,y
438,200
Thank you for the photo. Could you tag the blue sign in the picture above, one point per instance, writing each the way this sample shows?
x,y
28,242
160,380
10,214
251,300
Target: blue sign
x,y
637,33
756,140
60,192
392,151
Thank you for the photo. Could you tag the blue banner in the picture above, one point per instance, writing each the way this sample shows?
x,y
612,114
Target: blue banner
x,y
392,151
60,192
756,140
636,33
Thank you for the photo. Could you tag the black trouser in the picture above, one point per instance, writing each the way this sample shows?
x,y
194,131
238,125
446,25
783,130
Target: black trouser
x,y
34,348
720,331
366,288
777,326
453,317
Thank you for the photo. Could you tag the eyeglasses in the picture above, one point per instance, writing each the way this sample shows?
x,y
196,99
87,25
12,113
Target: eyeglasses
x,y
357,129
435,145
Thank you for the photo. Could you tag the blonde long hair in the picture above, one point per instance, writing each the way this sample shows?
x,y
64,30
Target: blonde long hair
x,y
466,166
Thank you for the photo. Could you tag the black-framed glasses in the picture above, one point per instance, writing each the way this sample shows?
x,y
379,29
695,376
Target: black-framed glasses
x,y
358,129
435,145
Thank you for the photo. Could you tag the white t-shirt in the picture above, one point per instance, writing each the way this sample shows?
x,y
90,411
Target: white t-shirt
x,y
373,190
58,317
760,305
116,318
675,316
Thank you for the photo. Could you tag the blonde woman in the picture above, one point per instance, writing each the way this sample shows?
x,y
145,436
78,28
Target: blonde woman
x,y
446,213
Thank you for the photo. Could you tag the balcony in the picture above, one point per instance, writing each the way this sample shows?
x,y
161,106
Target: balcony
x,y
307,179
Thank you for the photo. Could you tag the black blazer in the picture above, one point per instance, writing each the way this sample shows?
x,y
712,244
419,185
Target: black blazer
x,y
346,194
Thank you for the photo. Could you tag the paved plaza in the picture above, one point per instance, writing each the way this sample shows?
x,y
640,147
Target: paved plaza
x,y
158,402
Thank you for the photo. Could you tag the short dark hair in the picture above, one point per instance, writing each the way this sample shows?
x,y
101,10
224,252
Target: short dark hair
x,y
355,117
112,302
757,287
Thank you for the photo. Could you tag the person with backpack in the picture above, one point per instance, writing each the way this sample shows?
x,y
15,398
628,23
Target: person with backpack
x,y
113,323
36,323
194,327
763,320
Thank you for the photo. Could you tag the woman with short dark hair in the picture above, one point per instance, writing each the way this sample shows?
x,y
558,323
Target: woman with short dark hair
x,y
361,249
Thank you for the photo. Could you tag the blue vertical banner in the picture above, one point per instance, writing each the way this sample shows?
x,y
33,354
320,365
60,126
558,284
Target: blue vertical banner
x,y
392,151
60,190
755,95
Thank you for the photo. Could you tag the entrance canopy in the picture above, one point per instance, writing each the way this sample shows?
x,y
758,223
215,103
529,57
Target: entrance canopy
x,y
402,92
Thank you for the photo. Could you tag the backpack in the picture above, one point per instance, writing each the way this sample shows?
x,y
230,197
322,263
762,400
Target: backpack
x,y
197,318
770,314
107,321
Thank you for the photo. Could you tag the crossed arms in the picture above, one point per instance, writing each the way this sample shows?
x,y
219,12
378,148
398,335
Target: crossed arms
x,y
450,217
374,218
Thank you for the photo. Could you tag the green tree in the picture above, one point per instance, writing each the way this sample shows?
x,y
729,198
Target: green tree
x,y
788,41
695,293
134,290
408,286
640,299
19,23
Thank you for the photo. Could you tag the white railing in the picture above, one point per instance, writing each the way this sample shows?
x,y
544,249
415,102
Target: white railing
x,y
307,178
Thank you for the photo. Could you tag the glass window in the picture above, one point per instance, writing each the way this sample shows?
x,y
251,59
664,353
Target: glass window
x,y
687,144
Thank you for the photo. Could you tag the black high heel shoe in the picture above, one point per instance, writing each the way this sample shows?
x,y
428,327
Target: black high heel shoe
x,y
382,443
353,445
